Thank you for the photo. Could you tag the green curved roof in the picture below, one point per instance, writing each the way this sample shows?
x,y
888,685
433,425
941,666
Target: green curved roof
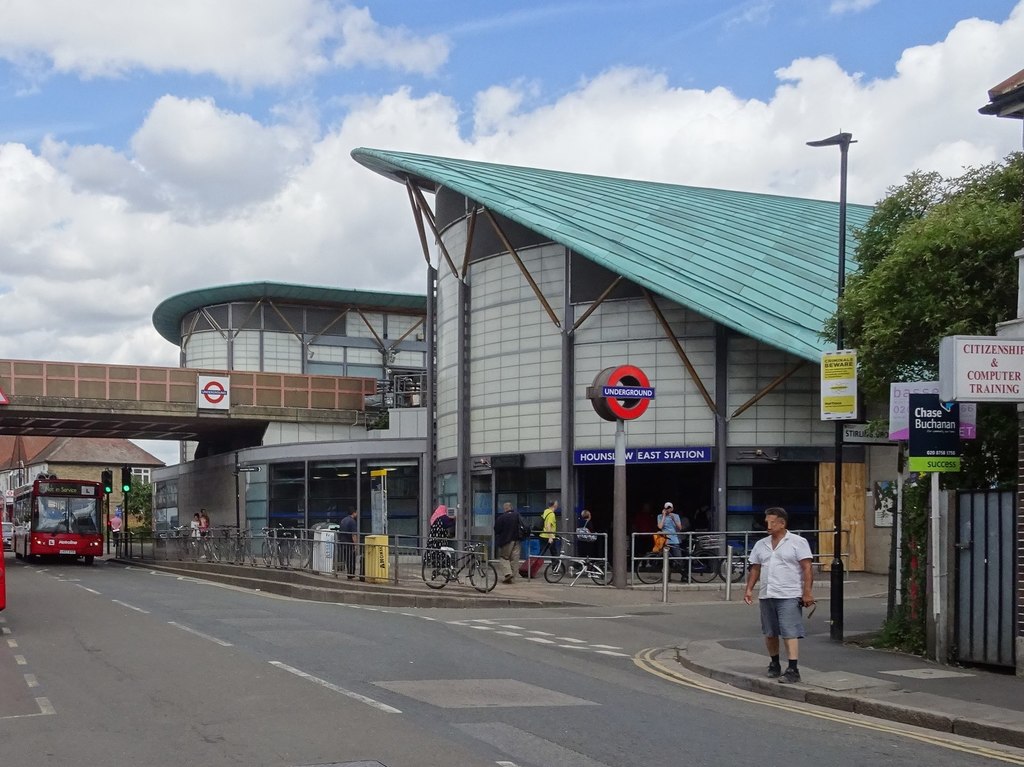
x,y
764,265
168,314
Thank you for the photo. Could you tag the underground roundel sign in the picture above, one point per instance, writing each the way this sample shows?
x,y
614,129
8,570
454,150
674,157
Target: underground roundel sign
x,y
621,393
214,393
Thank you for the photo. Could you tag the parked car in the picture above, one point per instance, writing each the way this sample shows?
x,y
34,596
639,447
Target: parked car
x,y
8,535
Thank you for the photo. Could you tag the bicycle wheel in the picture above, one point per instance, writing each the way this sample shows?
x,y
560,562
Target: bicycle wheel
x,y
267,553
436,571
482,576
599,574
298,554
555,571
739,568
213,552
703,566
648,567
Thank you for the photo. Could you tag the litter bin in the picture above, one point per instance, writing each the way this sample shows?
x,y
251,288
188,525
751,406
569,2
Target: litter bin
x,y
376,558
323,551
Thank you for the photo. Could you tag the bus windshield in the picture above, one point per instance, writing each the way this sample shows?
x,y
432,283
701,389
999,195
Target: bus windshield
x,y
67,515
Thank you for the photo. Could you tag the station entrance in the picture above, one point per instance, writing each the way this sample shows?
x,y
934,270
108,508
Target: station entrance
x,y
689,486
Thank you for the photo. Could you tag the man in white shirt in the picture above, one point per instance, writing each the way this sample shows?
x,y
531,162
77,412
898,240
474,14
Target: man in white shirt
x,y
784,559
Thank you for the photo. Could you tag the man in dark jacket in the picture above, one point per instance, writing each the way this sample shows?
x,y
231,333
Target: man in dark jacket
x,y
506,541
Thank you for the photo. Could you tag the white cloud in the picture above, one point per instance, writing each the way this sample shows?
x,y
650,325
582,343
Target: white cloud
x,y
369,44
248,42
95,238
840,7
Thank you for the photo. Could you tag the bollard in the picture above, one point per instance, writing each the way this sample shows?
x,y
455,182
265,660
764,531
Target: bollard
x,y
664,574
728,572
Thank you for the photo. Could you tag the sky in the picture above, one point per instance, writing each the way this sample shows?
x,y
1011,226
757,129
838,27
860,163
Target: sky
x,y
150,148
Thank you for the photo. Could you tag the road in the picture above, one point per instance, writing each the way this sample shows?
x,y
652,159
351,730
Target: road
x,y
111,665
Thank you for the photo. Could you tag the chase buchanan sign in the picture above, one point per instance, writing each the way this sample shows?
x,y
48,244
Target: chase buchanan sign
x,y
934,443
981,369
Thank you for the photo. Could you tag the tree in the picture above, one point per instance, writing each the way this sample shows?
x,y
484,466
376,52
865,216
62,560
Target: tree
x,y
140,503
937,259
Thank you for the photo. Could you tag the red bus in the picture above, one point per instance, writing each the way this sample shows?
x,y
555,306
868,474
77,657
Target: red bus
x,y
58,517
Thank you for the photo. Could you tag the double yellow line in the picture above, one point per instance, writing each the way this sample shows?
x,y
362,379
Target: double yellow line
x,y
645,659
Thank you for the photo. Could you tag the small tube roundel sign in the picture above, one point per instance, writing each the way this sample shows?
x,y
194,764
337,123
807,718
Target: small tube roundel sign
x,y
621,393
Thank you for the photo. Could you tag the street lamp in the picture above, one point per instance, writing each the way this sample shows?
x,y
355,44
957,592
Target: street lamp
x,y
843,141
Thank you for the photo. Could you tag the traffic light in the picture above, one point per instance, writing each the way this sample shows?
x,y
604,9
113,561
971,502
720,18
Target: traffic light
x,y
107,478
126,479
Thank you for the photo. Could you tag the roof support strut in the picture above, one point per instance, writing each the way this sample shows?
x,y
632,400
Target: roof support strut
x,y
417,215
680,351
522,267
469,241
597,303
422,207
779,379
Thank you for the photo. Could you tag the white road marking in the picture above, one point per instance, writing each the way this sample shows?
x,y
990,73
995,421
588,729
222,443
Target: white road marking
x,y
606,646
20,660
507,764
30,680
575,647
340,690
44,706
509,633
542,640
616,654
480,628
12,643
540,633
574,641
509,626
130,607
221,642
4,631
91,591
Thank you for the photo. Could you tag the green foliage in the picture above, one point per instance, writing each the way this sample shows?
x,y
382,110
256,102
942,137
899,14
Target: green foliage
x,y
140,503
906,629
936,259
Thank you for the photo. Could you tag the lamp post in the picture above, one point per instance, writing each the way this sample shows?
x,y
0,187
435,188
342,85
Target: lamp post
x,y
843,141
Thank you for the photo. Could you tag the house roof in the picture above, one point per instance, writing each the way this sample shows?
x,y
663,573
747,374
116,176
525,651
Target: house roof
x,y
1007,98
81,450
764,265
168,314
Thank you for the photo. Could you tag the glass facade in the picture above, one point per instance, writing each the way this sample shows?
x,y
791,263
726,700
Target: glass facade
x,y
276,337
756,487
333,491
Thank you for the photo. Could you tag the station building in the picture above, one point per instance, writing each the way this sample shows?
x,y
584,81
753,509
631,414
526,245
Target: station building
x,y
304,472
538,280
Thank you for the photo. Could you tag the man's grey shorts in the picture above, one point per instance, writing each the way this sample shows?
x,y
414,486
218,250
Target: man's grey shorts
x,y
782,618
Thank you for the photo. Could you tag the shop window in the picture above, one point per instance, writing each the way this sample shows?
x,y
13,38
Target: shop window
x,y
402,498
287,503
753,488
332,491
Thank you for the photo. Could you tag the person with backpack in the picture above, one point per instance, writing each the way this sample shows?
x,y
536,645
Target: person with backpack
x,y
551,544
507,536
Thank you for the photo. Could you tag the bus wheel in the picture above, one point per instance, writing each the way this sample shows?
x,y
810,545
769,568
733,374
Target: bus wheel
x,y
89,559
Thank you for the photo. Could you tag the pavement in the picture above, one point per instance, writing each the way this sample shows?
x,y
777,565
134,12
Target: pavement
x,y
849,676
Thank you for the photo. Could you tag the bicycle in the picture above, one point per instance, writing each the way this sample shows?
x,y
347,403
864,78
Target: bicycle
x,y
276,548
577,567
441,566
702,564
